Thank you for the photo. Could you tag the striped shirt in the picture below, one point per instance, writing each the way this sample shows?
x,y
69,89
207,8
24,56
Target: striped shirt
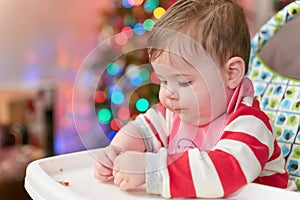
x,y
211,161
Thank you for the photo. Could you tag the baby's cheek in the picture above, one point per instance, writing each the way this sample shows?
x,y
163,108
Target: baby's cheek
x,y
190,96
161,96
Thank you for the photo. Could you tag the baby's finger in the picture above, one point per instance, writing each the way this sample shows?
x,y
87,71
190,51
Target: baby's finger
x,y
103,178
118,179
105,160
125,184
102,175
101,169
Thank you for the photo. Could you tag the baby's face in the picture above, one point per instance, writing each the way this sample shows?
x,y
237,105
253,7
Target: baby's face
x,y
197,96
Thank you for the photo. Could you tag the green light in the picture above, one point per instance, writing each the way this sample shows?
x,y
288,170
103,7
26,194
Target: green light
x,y
104,115
148,24
144,73
150,5
113,69
142,105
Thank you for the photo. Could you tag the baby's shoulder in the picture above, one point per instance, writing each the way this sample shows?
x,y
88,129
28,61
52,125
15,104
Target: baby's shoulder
x,y
250,107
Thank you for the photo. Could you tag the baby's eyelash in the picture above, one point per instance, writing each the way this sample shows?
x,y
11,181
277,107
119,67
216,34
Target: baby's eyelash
x,y
184,84
163,82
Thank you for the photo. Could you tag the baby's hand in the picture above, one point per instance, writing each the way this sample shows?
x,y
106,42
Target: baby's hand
x,y
105,162
129,170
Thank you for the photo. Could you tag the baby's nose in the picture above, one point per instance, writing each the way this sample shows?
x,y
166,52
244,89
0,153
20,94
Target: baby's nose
x,y
171,94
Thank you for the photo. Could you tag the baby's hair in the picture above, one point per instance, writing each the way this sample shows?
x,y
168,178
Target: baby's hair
x,y
220,26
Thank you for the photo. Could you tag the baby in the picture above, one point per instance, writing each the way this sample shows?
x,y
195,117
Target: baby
x,y
207,137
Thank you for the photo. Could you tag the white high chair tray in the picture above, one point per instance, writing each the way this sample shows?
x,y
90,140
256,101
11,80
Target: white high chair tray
x,y
70,176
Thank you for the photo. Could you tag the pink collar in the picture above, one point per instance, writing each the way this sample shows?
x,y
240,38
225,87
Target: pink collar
x,y
244,89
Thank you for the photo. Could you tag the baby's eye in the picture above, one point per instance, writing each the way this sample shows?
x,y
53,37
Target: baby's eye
x,y
163,82
185,84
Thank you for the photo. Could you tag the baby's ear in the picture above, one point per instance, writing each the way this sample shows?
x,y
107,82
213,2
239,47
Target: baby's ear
x,y
235,69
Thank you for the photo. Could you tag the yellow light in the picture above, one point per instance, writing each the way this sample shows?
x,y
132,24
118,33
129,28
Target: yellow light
x,y
158,12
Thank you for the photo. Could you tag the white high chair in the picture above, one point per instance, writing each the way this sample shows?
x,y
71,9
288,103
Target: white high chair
x,y
70,176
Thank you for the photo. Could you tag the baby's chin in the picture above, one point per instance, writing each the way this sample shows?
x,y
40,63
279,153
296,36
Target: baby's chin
x,y
196,121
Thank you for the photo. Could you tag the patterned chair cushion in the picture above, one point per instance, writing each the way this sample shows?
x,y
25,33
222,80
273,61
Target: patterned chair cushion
x,y
279,95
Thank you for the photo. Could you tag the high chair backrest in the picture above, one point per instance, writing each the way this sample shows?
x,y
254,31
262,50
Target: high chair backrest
x,y
274,69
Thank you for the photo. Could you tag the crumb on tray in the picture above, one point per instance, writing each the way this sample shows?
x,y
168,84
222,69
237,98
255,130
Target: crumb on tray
x,y
65,183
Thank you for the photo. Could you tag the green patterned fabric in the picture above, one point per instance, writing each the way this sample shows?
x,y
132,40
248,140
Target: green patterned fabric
x,y
279,95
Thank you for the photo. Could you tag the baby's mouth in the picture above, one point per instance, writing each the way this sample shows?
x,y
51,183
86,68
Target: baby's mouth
x,y
178,110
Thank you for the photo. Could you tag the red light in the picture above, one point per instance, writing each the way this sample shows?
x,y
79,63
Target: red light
x,y
100,96
124,113
115,124
154,78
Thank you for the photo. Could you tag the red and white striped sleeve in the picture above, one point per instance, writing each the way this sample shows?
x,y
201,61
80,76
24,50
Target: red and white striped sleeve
x,y
152,126
245,149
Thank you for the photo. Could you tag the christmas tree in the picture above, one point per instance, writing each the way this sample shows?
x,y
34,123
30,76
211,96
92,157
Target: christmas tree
x,y
129,86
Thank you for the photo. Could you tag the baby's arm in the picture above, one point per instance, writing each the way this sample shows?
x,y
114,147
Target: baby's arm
x,y
240,156
129,139
148,132
145,133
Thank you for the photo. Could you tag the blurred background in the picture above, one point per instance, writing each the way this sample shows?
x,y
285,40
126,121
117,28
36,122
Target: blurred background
x,y
43,44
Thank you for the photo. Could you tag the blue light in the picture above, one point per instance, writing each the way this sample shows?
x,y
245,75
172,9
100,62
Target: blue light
x,y
136,80
111,135
117,98
114,88
59,143
126,4
33,73
139,29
